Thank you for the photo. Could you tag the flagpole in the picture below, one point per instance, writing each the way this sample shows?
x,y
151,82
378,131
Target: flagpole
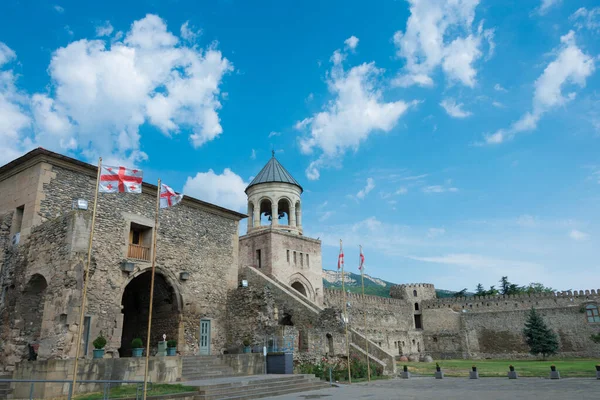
x,y
362,278
85,283
155,233
346,320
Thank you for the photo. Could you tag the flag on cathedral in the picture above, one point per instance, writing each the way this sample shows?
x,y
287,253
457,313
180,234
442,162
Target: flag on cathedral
x,y
120,180
361,261
168,197
341,258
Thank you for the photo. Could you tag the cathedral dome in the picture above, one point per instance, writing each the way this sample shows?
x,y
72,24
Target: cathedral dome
x,y
273,171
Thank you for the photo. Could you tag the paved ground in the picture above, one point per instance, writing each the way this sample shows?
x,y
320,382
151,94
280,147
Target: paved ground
x,y
460,389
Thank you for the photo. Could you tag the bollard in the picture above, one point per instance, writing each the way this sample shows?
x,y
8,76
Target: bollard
x,y
554,374
512,374
405,373
439,374
473,374
330,379
598,371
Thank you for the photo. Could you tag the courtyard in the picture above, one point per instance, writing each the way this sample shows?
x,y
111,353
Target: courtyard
x,y
459,389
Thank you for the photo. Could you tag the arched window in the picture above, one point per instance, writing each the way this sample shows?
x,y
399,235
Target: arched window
x,y
415,293
591,311
416,306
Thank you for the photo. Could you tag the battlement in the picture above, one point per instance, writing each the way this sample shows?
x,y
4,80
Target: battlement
x,y
333,296
415,285
413,291
544,300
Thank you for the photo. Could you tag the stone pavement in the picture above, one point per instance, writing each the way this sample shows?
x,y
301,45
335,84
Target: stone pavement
x,y
459,389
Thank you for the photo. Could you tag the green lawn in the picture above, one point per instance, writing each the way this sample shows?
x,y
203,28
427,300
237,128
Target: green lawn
x,y
129,391
568,368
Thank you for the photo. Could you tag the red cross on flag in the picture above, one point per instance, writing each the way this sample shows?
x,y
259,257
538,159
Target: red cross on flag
x,y
341,257
120,180
361,260
168,197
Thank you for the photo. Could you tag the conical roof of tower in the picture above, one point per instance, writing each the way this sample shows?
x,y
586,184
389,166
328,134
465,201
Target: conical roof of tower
x,y
274,172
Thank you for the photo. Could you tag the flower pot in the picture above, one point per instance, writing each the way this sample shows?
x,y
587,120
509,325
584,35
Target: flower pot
x,y
98,353
137,352
552,368
511,368
598,368
246,349
474,369
171,351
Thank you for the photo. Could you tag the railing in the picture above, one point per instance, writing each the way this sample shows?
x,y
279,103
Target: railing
x,y
139,391
138,252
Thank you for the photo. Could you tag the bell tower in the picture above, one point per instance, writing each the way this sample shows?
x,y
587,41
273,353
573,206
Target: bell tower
x,y
274,242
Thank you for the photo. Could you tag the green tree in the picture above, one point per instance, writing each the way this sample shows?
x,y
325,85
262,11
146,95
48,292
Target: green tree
x,y
480,291
540,339
504,285
461,293
492,292
536,287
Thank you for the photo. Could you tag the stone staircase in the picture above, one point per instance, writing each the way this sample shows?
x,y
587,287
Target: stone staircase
x,y
5,389
204,367
256,387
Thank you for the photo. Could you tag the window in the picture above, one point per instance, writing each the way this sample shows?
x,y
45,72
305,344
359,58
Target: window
x,y
591,311
418,323
294,258
301,260
307,261
416,306
415,293
258,259
86,334
140,237
288,255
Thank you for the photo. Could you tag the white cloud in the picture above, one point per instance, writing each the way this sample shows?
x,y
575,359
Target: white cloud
x,y
106,29
351,42
588,19
499,88
365,191
356,111
439,33
547,4
188,32
69,30
273,133
253,155
454,109
225,190
401,190
578,235
476,261
571,66
439,189
101,93
59,9
435,232
497,104
325,216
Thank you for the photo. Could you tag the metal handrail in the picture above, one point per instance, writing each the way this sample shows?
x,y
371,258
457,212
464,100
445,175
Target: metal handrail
x,y
106,382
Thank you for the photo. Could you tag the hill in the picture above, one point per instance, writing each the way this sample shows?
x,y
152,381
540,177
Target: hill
x,y
373,286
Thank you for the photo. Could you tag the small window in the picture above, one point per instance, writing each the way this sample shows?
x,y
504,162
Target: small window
x,y
307,261
258,259
416,306
415,293
418,323
140,238
591,311
294,258
19,218
301,260
288,255
435,339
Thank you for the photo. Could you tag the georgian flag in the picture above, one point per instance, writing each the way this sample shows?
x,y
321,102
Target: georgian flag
x,y
341,257
168,197
120,180
361,261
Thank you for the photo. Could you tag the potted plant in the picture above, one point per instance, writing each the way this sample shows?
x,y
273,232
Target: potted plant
x,y
511,368
171,347
437,367
246,343
553,368
137,347
598,368
405,368
474,368
99,344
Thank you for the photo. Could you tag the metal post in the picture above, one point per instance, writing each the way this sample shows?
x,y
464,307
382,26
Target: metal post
x,y
330,378
362,278
31,391
85,283
346,318
151,288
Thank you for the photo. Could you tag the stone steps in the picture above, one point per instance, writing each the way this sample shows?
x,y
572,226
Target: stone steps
x,y
203,367
5,389
259,388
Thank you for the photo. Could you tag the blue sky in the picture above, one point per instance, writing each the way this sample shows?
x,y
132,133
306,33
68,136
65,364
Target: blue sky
x,y
457,141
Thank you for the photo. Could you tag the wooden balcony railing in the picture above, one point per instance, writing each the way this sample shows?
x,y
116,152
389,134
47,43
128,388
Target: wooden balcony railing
x,y
138,252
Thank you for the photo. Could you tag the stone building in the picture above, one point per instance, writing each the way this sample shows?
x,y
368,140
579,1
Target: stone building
x,y
215,290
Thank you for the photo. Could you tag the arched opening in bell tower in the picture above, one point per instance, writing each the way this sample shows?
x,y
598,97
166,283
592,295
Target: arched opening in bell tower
x,y
283,207
265,212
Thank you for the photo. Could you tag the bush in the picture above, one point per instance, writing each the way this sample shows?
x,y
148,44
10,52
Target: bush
x,y
339,368
99,342
137,343
595,338
171,343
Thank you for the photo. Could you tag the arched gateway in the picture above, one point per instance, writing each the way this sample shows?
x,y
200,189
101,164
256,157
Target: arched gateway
x,y
166,311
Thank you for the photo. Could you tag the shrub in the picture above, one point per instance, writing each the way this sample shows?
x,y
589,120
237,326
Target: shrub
x,y
595,338
171,343
99,342
137,343
246,342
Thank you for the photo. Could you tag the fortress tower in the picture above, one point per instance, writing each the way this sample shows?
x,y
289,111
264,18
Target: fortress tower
x,y
274,242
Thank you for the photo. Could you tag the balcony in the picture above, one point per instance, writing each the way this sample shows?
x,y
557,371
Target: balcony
x,y
138,252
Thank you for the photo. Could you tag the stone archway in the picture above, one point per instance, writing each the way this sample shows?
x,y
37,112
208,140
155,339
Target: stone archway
x,y
166,312
300,288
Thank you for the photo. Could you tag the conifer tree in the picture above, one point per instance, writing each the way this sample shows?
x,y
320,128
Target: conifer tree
x,y
540,338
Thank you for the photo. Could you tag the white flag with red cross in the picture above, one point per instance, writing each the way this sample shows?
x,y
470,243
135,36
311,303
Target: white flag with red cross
x,y
168,197
120,180
361,260
341,257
